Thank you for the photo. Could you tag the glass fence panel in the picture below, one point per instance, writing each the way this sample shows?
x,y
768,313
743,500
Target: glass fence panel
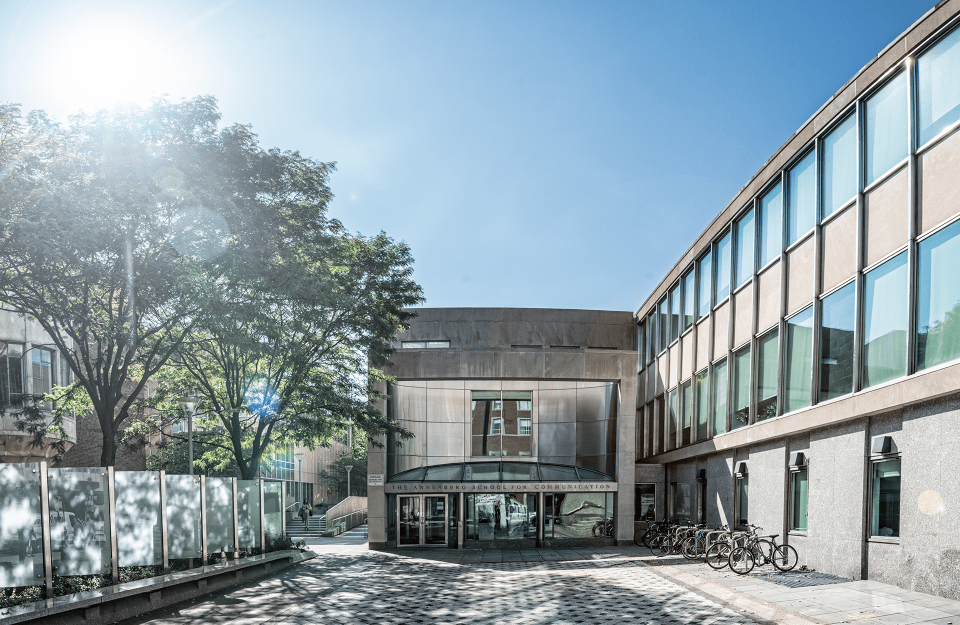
x,y
183,516
219,506
138,518
21,550
79,521
248,513
272,509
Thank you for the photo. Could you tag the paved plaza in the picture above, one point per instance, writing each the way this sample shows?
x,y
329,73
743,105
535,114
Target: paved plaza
x,y
346,583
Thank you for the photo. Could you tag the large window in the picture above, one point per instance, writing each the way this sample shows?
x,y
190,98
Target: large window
x,y
675,313
885,322
886,141
938,82
802,200
743,500
689,299
839,182
686,413
673,418
768,359
651,337
746,247
682,507
11,374
702,404
837,343
706,281
798,500
723,267
664,324
885,512
938,306
798,368
741,388
645,502
43,371
771,225
719,379
500,423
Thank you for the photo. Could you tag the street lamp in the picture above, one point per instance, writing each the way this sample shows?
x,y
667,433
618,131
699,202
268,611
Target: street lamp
x,y
299,456
348,468
186,402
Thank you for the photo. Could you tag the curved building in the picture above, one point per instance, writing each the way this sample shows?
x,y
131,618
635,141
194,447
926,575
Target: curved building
x,y
798,368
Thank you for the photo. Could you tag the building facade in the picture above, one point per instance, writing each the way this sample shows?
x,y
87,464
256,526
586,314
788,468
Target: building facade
x,y
798,368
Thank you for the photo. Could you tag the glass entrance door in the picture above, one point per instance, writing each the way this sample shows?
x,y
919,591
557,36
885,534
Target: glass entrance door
x,y
422,520
435,520
409,522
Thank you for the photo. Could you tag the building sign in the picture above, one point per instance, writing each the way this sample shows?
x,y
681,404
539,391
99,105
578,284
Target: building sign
x,y
497,487
374,479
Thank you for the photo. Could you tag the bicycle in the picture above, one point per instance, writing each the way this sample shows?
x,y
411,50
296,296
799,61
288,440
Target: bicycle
x,y
695,546
603,527
762,550
651,535
671,543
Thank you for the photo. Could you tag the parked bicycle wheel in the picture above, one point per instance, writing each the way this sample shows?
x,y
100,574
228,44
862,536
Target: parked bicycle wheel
x,y
718,555
785,558
741,561
638,537
664,547
763,552
689,548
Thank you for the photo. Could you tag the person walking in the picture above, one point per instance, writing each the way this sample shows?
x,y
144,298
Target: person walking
x,y
305,510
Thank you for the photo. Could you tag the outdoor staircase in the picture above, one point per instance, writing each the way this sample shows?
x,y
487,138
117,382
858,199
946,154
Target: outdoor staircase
x,y
315,524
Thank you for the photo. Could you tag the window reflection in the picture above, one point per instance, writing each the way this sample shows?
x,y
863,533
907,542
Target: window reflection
x,y
938,306
885,322
501,424
578,515
938,78
886,128
501,516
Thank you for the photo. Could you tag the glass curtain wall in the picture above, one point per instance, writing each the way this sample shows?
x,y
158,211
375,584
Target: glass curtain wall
x,y
802,199
719,380
938,87
664,325
798,372
768,359
886,140
673,417
885,322
741,388
837,323
938,306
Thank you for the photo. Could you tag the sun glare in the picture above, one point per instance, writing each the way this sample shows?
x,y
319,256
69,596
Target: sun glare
x,y
108,63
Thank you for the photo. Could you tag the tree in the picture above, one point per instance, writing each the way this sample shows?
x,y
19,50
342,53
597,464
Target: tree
x,y
297,355
89,240
336,476
173,457
135,235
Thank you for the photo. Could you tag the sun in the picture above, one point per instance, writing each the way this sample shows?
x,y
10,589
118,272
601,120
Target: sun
x,y
104,63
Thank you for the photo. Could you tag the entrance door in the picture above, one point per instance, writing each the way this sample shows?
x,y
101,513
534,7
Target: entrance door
x,y
422,520
435,520
409,521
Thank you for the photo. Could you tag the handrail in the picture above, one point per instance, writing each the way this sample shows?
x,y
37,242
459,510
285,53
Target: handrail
x,y
343,516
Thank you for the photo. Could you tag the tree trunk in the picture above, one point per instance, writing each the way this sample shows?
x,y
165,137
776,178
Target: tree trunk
x,y
108,457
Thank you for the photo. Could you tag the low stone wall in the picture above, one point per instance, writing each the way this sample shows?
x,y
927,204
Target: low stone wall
x,y
116,603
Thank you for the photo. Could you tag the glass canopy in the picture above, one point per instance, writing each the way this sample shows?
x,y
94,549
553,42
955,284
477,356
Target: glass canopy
x,y
500,472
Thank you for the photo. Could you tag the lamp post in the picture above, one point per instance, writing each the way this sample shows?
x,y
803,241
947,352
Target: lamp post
x,y
186,402
299,456
348,468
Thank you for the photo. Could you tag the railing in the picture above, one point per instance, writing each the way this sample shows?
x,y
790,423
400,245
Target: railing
x,y
345,523
345,507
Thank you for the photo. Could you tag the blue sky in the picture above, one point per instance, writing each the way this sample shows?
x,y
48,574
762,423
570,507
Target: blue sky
x,y
532,154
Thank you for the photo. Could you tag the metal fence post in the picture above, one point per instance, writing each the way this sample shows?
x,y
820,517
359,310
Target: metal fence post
x,y
164,541
45,530
114,548
263,519
236,521
204,548
283,512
